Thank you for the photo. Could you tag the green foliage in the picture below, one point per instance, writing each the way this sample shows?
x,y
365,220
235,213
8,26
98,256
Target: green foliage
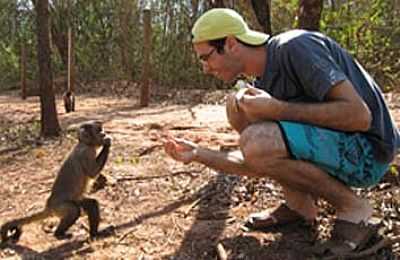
x,y
17,23
369,29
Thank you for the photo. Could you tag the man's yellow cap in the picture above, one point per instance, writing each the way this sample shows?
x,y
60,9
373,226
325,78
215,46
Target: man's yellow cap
x,y
219,23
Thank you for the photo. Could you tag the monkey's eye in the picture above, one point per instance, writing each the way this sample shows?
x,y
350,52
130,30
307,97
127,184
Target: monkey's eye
x,y
85,128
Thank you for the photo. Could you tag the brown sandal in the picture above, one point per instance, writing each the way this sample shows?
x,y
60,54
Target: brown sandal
x,y
281,215
347,237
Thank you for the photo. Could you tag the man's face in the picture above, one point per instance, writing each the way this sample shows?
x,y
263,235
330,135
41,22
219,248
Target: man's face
x,y
222,65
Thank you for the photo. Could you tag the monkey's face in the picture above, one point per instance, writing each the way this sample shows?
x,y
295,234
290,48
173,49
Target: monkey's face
x,y
91,133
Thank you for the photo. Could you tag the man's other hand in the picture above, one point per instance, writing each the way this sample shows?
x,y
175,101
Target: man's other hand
x,y
180,149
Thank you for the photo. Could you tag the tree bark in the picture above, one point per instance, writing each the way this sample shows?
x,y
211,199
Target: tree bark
x,y
309,14
49,121
217,4
60,40
23,69
71,62
145,88
262,9
125,13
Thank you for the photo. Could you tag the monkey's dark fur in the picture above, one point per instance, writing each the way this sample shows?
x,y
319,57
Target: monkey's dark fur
x,y
69,101
67,196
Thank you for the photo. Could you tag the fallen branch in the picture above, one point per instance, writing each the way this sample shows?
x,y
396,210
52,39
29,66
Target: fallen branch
x,y
149,149
11,149
126,234
112,131
185,127
206,195
142,178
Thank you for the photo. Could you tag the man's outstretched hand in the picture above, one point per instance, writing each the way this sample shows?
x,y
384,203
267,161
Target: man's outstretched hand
x,y
180,149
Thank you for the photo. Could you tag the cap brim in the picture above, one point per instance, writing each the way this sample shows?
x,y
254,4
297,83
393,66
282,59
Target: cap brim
x,y
253,37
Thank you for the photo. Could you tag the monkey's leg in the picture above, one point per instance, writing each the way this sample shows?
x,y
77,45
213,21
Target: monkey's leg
x,y
69,213
91,208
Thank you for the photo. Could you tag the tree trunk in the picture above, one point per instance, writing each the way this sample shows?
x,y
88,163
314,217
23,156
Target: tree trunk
x,y
71,62
217,4
59,10
262,9
23,69
125,13
145,89
49,120
60,40
309,14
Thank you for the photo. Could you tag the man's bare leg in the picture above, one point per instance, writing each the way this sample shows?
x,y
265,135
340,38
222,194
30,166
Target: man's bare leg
x,y
302,203
265,153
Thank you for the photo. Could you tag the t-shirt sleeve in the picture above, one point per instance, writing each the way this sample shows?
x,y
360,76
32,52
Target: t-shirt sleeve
x,y
311,63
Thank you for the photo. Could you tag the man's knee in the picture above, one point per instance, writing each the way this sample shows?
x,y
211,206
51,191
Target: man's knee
x,y
263,142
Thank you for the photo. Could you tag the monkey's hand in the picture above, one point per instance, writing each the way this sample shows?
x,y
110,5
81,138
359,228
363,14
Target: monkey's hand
x,y
181,150
107,141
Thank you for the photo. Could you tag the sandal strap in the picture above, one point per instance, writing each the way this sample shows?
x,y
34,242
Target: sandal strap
x,y
352,234
274,219
351,244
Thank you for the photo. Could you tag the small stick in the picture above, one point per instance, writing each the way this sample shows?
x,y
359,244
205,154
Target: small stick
x,y
222,252
149,149
126,234
197,201
142,178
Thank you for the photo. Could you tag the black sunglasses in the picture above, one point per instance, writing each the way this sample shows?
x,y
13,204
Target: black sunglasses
x,y
205,57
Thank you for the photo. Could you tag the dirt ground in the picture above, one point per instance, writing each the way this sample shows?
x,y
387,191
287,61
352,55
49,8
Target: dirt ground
x,y
154,207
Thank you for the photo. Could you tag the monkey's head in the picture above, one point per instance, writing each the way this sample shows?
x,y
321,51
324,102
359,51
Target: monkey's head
x,y
91,133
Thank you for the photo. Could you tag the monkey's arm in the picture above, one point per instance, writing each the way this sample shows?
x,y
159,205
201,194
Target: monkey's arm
x,y
94,167
102,158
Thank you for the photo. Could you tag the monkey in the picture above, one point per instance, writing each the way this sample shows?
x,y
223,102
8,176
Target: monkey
x,y
69,101
67,198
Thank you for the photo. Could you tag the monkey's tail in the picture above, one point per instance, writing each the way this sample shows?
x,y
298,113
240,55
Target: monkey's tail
x,y
13,229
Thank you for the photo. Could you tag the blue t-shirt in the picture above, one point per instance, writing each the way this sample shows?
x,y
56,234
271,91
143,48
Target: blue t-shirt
x,y
303,66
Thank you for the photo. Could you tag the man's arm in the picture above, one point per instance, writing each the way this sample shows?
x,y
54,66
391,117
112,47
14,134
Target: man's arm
x,y
343,109
227,162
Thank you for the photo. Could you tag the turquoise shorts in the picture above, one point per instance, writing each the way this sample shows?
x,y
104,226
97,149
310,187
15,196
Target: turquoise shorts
x,y
346,156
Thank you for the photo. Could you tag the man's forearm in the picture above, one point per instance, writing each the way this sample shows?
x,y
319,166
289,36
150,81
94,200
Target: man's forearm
x,y
340,115
226,162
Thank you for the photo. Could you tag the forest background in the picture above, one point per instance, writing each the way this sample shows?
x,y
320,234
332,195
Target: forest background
x,y
108,38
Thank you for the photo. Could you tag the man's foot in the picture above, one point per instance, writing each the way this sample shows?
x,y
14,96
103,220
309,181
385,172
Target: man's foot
x,y
347,237
281,215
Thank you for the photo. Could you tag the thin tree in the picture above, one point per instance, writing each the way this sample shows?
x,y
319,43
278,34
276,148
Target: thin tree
x,y
125,14
145,88
49,121
23,69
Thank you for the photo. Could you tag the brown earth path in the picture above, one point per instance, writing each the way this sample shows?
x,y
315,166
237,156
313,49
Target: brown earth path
x,y
158,208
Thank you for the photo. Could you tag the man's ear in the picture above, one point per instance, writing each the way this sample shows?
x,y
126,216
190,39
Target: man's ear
x,y
231,44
